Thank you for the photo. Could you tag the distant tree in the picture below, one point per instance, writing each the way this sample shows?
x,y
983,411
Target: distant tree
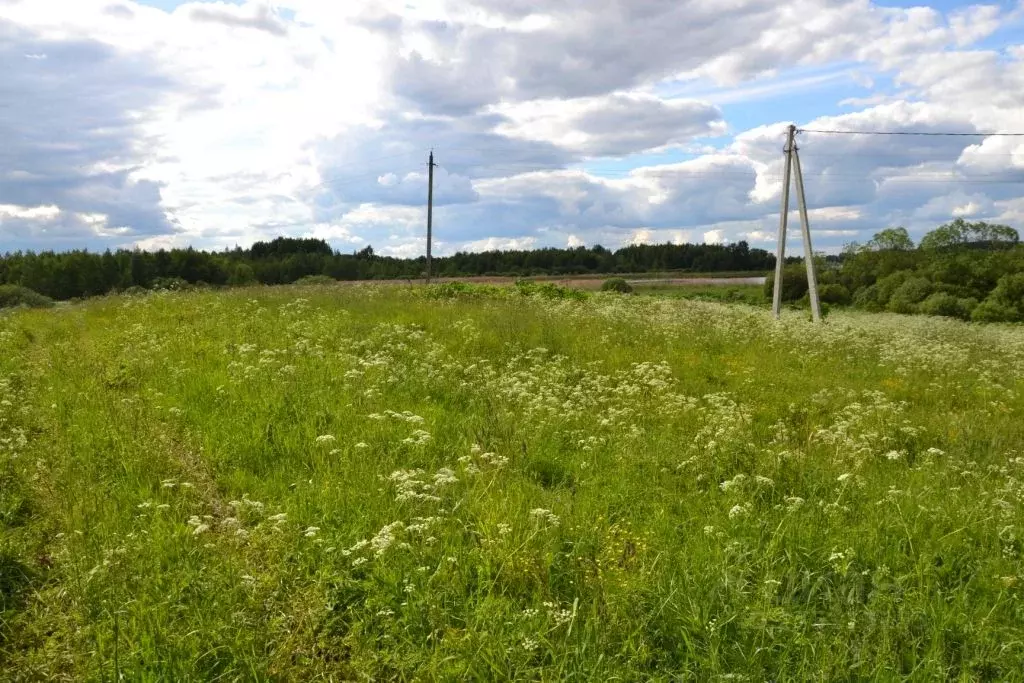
x,y
891,239
959,232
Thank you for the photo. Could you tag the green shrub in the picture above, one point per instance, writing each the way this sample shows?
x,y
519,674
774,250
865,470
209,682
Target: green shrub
x,y
1010,291
867,299
316,280
135,290
241,274
12,296
174,284
887,286
794,282
460,290
548,290
993,311
908,295
617,284
941,303
834,294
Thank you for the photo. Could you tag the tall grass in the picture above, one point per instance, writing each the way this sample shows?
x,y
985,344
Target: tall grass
x,y
339,483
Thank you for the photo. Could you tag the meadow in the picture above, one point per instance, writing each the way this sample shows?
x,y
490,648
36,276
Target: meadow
x,y
467,483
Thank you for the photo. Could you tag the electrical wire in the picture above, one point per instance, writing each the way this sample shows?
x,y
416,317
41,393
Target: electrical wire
x,y
906,132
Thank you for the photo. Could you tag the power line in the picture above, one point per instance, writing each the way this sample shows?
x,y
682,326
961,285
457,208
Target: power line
x,y
907,132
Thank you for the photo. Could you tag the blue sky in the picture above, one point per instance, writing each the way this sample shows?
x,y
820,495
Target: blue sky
x,y
556,122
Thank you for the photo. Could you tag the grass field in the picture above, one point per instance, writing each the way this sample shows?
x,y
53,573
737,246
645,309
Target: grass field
x,y
370,483
752,295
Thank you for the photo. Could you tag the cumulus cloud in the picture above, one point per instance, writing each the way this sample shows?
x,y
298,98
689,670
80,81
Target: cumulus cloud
x,y
252,16
73,139
618,124
221,123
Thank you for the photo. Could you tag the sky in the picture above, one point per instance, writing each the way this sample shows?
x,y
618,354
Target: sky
x,y
157,123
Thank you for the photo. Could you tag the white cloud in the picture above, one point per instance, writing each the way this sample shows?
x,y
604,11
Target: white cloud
x,y
714,237
221,123
501,244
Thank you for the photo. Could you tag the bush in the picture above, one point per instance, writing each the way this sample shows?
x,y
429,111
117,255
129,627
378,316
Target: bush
x,y
908,295
617,284
135,290
316,280
459,290
834,294
12,296
887,286
992,311
794,282
174,284
947,305
1009,291
548,290
867,298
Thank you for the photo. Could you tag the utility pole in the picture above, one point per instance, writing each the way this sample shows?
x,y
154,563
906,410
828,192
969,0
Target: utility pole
x,y
780,243
430,209
793,163
805,226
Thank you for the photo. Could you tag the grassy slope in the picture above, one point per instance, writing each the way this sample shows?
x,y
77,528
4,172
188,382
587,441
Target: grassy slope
x,y
676,489
748,294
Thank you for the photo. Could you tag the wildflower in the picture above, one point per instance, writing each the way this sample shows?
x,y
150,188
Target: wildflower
x,y
361,445
310,532
278,518
737,511
794,503
893,455
385,537
325,438
545,515
444,476
417,438
735,482
842,478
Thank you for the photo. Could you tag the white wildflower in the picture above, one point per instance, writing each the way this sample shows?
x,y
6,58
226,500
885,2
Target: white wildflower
x,y
545,515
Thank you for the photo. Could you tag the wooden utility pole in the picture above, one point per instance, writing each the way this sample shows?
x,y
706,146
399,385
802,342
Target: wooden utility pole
x,y
793,164
430,209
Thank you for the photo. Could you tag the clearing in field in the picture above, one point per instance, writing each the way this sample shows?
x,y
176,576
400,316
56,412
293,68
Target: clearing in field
x,y
438,483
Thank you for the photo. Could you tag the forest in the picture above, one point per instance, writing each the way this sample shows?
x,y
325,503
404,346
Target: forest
x,y
79,274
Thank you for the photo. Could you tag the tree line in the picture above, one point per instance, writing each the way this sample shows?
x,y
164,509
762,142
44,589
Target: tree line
x,y
967,270
75,274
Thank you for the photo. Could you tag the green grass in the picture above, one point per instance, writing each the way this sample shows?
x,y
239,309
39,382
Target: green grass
x,y
387,483
752,295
